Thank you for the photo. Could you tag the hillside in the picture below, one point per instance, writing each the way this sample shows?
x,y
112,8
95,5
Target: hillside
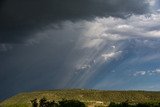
x,y
89,97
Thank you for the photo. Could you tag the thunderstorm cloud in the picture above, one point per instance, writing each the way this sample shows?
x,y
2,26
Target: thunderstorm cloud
x,y
20,18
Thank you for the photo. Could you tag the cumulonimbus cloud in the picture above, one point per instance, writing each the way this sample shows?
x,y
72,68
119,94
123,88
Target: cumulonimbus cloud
x,y
19,18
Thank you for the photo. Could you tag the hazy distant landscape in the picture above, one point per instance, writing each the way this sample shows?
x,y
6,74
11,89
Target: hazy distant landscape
x,y
91,98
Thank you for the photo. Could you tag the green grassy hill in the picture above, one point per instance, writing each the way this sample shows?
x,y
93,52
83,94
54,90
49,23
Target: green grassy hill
x,y
89,97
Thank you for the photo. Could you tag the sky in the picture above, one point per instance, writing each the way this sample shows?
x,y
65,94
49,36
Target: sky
x,y
91,44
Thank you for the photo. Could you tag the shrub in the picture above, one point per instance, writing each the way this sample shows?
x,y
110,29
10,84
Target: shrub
x,y
71,103
63,103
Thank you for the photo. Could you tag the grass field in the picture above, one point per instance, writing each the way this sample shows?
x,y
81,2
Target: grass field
x,y
89,97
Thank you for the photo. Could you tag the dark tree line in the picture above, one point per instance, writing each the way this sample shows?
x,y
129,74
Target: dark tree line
x,y
75,103
63,103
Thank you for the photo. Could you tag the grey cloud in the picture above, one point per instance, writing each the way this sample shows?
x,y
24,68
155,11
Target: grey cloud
x,y
20,18
55,61
157,4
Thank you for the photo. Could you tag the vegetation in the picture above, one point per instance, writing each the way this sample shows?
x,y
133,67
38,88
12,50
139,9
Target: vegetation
x,y
63,103
70,103
125,104
88,97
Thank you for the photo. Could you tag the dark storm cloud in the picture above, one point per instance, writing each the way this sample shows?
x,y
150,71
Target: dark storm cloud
x,y
1,3
19,18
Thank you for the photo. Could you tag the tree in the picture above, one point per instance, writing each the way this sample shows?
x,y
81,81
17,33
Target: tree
x,y
71,103
43,102
34,103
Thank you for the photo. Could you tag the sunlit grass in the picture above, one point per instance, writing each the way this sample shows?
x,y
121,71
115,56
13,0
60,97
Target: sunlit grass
x,y
89,97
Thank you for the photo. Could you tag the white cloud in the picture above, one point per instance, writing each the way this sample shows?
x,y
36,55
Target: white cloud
x,y
83,67
154,33
111,55
115,29
157,71
113,47
105,39
140,73
108,38
149,72
152,2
